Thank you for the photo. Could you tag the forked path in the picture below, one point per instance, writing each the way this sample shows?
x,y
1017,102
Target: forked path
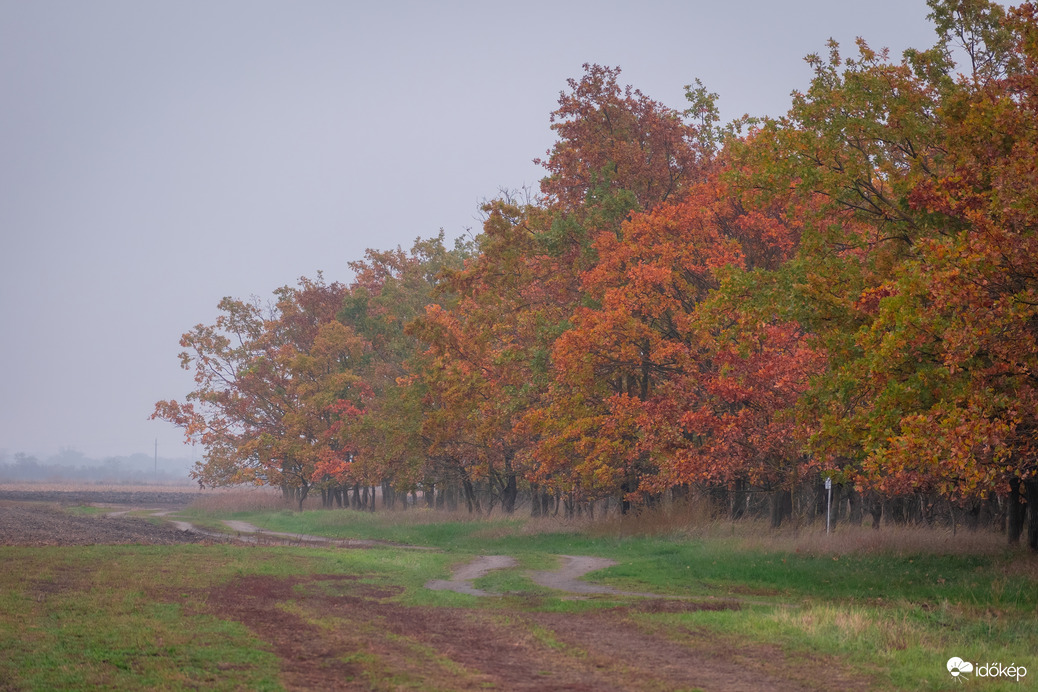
x,y
462,577
566,578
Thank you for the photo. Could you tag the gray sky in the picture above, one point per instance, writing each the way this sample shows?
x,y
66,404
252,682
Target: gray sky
x,y
157,156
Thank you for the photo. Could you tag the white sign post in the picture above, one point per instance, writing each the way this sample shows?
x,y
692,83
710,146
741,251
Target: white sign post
x,y
828,503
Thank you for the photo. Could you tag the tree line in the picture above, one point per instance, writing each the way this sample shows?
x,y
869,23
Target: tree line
x,y
738,311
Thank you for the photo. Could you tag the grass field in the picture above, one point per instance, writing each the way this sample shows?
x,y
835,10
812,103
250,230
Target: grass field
x,y
854,610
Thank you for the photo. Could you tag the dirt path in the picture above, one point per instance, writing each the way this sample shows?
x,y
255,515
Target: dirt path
x,y
250,533
462,577
566,578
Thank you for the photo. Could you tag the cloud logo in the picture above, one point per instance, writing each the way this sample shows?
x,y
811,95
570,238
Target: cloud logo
x,y
956,666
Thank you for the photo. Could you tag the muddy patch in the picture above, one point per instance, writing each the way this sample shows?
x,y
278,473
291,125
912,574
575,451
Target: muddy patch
x,y
308,659
336,632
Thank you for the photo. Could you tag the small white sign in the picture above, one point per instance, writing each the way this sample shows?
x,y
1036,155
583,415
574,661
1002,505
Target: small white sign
x,y
828,483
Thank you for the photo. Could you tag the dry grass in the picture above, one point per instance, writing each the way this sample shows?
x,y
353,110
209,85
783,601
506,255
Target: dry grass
x,y
897,540
692,521
698,522
875,631
241,499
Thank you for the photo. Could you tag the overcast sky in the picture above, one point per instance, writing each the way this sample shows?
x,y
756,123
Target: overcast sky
x,y
157,156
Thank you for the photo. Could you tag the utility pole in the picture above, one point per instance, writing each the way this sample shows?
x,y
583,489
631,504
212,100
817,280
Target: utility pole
x,y
829,502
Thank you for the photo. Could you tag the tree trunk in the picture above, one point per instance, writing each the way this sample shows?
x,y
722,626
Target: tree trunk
x,y
853,507
509,493
535,501
1016,512
625,504
874,507
1031,484
470,497
738,497
781,507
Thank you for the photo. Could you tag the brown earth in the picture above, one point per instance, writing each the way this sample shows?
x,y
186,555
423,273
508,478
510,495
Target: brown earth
x,y
38,518
332,631
328,629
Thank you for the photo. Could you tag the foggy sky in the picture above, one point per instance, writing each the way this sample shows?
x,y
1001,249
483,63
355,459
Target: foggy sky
x,y
157,156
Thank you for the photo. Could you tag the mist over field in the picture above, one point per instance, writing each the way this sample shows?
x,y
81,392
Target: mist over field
x,y
72,465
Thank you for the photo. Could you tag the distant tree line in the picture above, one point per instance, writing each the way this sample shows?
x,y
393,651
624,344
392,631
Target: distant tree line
x,y
685,309
71,465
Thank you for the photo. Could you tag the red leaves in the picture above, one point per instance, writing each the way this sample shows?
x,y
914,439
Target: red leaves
x,y
617,137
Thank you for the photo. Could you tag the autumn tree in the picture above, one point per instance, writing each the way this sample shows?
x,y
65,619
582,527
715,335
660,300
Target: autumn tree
x,y
618,153
390,290
914,197
651,394
264,408
483,354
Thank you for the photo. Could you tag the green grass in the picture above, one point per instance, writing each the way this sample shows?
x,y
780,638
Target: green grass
x,y
88,510
133,617
92,617
674,564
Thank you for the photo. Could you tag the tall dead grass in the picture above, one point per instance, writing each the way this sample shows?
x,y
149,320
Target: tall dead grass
x,y
869,630
694,521
697,521
230,500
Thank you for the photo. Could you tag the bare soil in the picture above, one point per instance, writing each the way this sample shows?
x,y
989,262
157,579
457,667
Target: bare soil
x,y
39,518
507,649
